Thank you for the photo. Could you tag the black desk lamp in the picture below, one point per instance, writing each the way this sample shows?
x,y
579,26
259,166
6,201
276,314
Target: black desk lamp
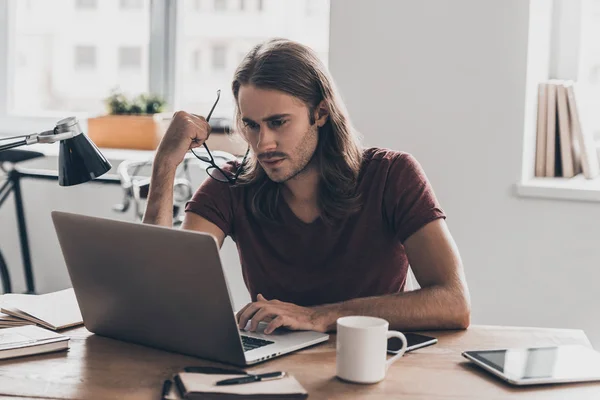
x,y
79,161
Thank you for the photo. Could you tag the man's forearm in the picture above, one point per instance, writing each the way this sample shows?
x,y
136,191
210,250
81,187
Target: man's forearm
x,y
433,307
159,207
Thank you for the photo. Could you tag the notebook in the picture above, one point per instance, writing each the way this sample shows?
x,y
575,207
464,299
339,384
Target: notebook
x,y
8,321
202,386
28,340
57,310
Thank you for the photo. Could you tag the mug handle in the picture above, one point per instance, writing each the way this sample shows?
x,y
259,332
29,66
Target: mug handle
x,y
400,336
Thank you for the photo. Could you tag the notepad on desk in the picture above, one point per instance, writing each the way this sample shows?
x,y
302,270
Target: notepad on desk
x,y
57,310
28,340
203,386
8,321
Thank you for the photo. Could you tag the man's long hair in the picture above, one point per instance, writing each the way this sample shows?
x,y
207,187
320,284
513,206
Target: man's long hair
x,y
295,69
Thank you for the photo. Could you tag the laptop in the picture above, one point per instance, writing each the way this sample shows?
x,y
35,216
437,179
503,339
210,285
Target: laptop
x,y
163,288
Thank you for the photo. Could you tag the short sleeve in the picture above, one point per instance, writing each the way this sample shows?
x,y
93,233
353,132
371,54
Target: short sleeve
x,y
214,201
409,200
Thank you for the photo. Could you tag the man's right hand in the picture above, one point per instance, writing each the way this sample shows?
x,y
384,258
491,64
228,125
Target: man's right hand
x,y
186,131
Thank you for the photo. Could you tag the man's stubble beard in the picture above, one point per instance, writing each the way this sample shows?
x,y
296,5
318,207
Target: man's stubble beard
x,y
308,156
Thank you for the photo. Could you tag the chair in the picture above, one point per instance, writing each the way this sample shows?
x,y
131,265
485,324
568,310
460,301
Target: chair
x,y
12,183
411,281
136,186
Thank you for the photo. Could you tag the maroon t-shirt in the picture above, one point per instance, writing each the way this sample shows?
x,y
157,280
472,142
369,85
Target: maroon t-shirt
x,y
315,263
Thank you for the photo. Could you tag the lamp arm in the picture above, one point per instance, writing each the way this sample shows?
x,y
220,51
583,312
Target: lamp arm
x,y
52,136
13,145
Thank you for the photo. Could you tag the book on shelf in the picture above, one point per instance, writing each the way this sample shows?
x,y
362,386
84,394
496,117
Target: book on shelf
x,y
28,340
583,135
551,131
57,310
542,120
564,146
565,141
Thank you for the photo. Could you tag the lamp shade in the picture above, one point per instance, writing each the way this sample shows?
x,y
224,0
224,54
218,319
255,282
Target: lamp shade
x,y
80,161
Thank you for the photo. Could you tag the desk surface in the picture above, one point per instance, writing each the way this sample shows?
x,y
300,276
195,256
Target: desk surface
x,y
100,368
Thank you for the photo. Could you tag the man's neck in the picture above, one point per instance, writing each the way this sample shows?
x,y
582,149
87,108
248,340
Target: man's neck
x,y
302,189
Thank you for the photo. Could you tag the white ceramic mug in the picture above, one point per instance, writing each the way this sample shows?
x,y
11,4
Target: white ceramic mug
x,y
362,348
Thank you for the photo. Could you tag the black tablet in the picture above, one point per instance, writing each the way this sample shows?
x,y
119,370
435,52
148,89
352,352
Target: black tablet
x,y
414,341
540,365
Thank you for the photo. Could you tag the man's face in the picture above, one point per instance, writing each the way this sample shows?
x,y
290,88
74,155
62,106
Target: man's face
x,y
278,128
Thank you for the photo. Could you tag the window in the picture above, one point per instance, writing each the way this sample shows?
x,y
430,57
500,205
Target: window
x,y
594,77
85,57
562,45
57,69
576,51
61,69
220,5
132,4
130,58
196,61
218,59
82,5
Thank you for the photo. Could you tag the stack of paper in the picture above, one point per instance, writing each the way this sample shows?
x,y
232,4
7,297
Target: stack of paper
x,y
57,310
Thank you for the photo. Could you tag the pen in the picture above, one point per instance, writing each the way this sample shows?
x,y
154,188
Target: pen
x,y
166,389
252,378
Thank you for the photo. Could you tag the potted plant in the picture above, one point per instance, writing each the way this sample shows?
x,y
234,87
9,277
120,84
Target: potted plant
x,y
130,124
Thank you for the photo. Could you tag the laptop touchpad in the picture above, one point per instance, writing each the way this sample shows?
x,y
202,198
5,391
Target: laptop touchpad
x,y
261,329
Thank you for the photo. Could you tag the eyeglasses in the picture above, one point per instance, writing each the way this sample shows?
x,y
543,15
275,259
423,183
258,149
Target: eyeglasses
x,y
213,170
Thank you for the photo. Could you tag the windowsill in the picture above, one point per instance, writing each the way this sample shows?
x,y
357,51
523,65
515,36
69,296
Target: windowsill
x,y
576,189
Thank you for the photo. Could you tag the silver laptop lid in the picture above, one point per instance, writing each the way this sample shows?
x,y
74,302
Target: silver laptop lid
x,y
150,285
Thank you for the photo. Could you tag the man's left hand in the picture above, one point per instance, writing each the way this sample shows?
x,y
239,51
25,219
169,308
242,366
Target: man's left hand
x,y
281,314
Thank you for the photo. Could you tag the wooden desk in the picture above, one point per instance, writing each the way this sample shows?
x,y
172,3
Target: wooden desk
x,y
102,368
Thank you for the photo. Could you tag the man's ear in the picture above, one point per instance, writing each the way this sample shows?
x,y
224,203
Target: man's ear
x,y
321,113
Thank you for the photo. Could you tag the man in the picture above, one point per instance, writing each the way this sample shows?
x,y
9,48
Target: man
x,y
323,228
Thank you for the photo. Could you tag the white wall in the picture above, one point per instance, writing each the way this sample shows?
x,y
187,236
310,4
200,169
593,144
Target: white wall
x,y
446,81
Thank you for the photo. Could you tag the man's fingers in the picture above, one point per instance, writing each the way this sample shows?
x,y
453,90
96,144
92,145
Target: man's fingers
x,y
247,314
261,315
199,117
260,297
201,127
238,315
274,324
240,312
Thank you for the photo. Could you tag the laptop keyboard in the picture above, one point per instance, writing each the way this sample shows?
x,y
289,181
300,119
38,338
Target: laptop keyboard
x,y
251,343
